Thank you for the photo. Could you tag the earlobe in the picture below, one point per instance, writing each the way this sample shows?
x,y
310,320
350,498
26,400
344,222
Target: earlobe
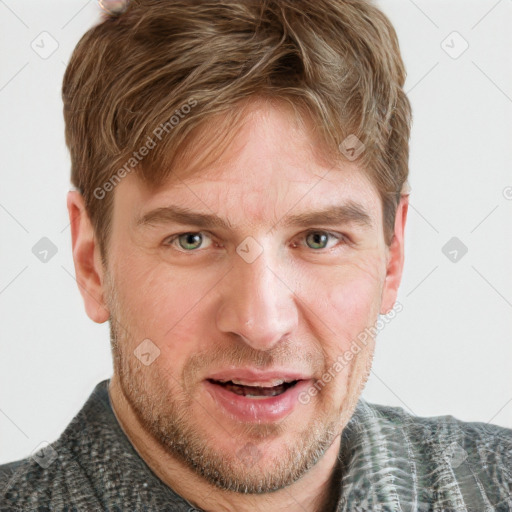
x,y
88,268
396,258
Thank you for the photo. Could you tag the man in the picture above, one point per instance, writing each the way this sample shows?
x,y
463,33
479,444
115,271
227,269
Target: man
x,y
240,171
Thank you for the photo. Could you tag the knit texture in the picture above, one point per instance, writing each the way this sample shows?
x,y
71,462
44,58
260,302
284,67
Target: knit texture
x,y
389,461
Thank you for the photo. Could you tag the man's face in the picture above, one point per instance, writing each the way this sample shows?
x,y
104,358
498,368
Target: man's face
x,y
258,301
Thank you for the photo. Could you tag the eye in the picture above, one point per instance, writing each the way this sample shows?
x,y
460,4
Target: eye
x,y
189,241
319,239
192,241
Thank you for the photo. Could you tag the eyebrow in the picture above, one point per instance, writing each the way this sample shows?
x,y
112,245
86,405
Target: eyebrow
x,y
349,213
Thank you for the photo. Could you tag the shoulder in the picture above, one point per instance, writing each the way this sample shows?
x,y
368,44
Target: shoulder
x,y
425,461
26,485
439,430
444,436
53,477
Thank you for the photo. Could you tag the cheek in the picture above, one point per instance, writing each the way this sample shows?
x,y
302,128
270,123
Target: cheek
x,y
162,303
347,304
347,300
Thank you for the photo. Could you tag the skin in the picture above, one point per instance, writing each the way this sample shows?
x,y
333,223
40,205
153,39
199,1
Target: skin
x,y
298,306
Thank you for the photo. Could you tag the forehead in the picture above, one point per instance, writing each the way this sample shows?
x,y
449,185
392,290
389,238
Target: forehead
x,y
272,165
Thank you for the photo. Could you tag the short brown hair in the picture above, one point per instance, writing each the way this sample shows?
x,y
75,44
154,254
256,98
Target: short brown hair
x,y
338,61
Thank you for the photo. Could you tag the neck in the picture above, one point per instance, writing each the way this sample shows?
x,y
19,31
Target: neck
x,y
317,491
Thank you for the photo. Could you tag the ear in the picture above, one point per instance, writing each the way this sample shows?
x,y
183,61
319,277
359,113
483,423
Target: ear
x,y
87,258
395,260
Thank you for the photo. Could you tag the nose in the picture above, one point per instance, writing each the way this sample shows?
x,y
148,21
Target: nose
x,y
258,304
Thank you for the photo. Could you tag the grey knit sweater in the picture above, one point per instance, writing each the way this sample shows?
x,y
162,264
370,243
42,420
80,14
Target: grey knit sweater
x,y
389,460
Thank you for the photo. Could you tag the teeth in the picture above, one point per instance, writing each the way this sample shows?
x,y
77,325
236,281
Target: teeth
x,y
276,382
258,392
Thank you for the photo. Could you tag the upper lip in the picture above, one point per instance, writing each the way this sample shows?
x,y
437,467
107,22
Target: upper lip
x,y
253,377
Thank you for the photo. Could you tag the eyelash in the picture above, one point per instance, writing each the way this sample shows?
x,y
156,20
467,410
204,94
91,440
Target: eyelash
x,y
343,239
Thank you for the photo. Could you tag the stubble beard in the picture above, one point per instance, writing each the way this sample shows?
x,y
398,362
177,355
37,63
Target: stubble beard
x,y
166,417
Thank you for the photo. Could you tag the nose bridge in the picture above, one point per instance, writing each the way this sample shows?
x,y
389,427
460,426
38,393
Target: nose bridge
x,y
256,303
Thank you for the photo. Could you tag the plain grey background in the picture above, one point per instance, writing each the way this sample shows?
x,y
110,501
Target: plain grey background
x,y
449,351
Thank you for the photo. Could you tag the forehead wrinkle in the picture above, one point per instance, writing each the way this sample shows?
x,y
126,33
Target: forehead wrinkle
x,y
349,213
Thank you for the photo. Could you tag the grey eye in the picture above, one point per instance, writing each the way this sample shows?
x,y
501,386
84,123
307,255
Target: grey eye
x,y
190,241
317,239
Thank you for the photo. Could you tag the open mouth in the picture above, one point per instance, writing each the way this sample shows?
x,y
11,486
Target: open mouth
x,y
254,391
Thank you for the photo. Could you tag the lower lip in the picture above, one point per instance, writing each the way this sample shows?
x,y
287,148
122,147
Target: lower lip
x,y
243,408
